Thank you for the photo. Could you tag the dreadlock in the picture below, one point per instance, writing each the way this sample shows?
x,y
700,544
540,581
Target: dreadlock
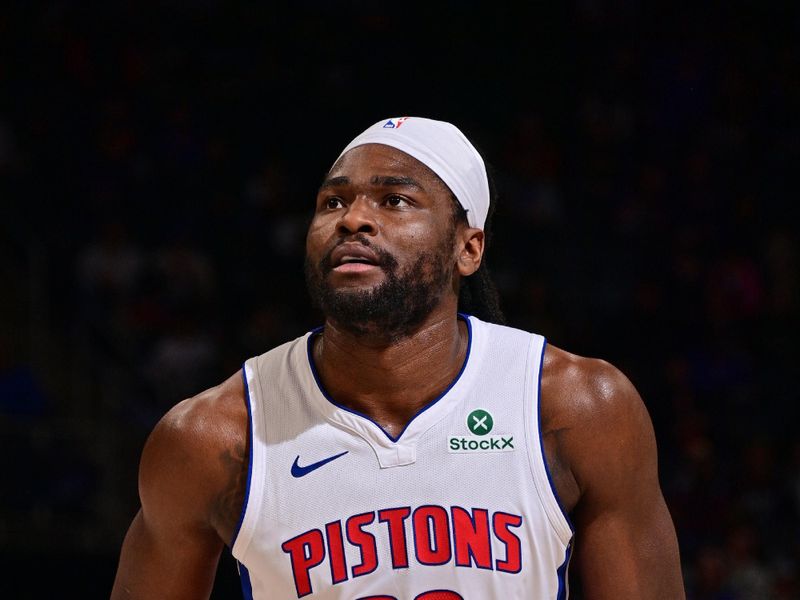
x,y
477,294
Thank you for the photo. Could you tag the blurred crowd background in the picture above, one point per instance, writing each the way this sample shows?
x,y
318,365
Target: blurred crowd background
x,y
158,163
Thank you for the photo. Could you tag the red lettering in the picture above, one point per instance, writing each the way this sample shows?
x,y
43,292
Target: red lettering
x,y
395,520
471,539
365,542
512,563
432,535
439,595
338,562
305,551
431,595
470,543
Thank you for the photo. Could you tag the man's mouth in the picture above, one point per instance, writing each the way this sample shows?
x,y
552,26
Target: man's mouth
x,y
353,257
355,267
356,256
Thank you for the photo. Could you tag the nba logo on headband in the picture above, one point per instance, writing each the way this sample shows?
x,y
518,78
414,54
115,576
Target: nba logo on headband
x,y
394,123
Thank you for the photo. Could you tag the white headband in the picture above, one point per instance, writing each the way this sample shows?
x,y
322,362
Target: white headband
x,y
442,148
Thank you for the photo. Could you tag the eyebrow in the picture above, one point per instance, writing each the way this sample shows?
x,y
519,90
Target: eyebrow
x,y
334,182
381,180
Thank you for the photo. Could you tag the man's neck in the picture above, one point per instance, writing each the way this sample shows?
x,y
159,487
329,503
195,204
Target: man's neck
x,y
390,381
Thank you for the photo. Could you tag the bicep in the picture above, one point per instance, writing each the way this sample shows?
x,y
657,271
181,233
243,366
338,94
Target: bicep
x,y
169,564
625,542
628,550
171,549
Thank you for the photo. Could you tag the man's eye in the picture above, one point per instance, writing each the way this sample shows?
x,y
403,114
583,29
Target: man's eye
x,y
396,201
333,203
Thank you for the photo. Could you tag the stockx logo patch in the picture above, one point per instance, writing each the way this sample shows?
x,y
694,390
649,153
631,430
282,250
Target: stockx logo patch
x,y
480,422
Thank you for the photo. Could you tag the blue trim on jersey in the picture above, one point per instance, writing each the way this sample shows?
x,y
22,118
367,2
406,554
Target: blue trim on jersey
x,y
541,442
249,458
244,577
563,589
322,389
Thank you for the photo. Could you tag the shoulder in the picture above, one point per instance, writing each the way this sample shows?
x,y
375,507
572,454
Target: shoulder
x,y
202,424
598,416
579,387
193,453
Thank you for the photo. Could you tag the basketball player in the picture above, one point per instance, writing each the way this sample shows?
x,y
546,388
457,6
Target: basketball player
x,y
405,450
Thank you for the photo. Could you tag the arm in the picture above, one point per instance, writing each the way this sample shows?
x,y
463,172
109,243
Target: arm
x,y
625,542
191,485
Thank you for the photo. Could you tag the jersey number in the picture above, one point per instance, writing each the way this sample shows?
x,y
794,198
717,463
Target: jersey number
x,y
431,595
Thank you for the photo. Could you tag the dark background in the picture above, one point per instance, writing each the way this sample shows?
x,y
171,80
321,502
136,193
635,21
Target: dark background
x,y
157,170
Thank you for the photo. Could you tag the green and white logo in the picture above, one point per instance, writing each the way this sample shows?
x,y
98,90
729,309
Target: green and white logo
x,y
480,422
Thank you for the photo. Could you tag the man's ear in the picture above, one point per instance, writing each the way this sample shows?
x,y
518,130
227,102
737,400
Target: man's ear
x,y
470,250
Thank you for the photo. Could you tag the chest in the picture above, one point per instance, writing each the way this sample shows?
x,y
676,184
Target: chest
x,y
459,500
462,507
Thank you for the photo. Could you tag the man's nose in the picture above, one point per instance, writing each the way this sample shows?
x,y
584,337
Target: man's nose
x,y
358,217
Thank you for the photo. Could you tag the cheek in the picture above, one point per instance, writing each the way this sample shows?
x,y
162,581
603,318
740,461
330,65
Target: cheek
x,y
319,230
416,233
422,238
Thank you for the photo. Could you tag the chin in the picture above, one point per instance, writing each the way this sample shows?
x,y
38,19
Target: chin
x,y
359,282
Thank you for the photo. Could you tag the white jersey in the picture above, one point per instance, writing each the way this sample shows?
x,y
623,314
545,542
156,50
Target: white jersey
x,y
459,506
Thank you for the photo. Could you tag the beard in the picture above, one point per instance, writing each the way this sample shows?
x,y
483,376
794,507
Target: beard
x,y
392,309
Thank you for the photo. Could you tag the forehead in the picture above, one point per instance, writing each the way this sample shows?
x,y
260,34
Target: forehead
x,y
369,160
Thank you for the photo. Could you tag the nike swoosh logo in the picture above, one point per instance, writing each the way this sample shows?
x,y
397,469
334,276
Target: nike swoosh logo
x,y
298,471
